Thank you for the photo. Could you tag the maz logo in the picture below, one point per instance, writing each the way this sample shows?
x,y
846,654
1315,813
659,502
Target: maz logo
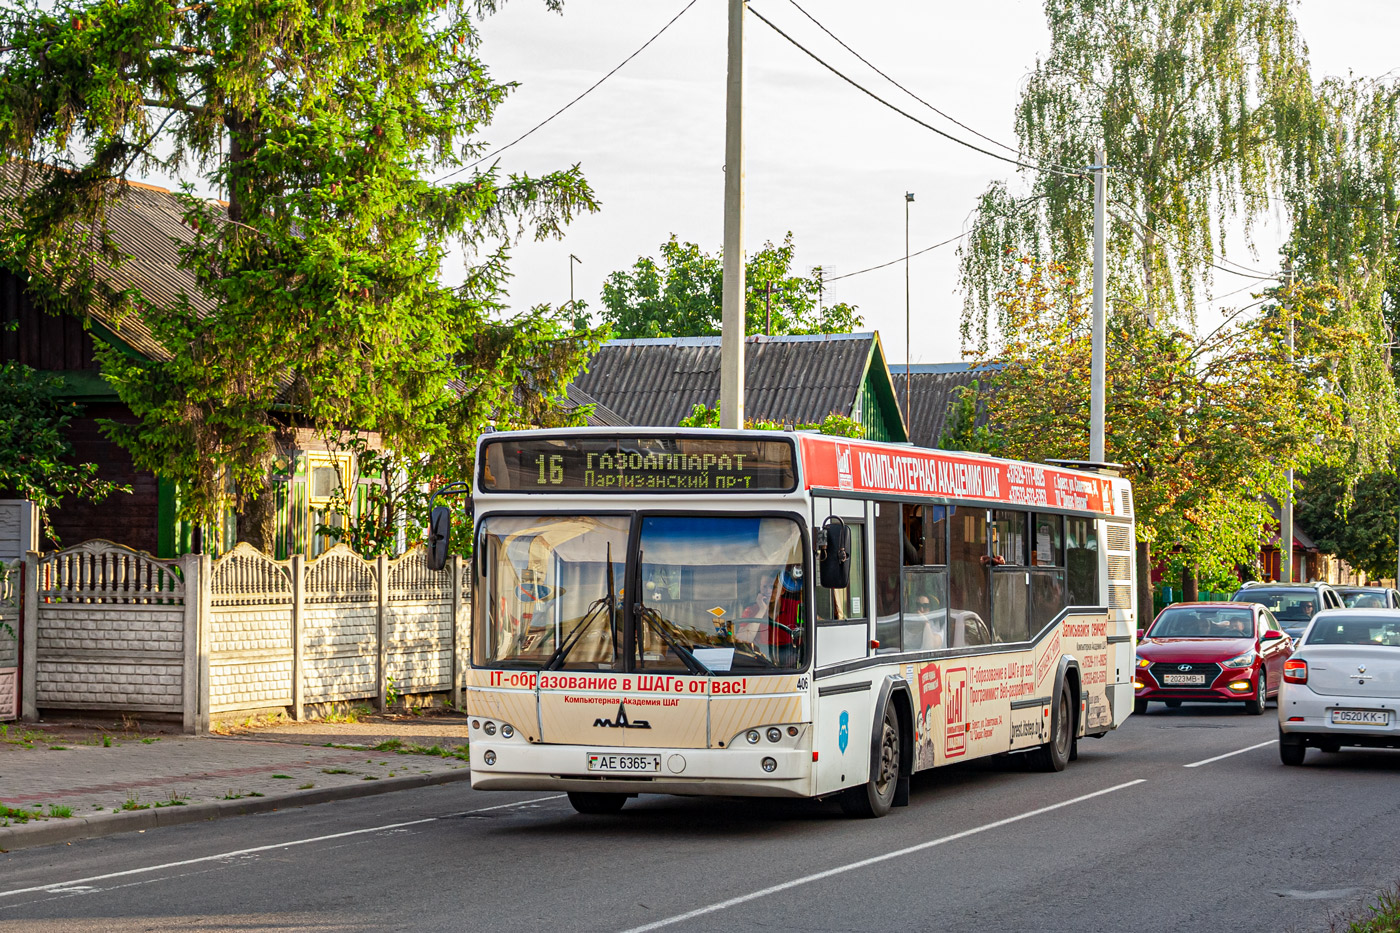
x,y
621,721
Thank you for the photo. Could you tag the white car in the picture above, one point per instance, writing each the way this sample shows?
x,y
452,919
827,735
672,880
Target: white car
x,y
1342,684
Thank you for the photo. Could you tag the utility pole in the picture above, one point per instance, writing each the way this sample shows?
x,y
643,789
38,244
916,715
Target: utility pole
x,y
908,412
1097,364
768,309
572,259
1285,530
731,367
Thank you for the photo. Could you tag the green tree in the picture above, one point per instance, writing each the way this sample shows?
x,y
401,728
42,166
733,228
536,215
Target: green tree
x,y
1363,534
703,416
35,456
1192,102
321,300
681,295
1204,427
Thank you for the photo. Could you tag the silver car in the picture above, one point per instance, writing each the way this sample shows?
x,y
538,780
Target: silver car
x,y
1342,684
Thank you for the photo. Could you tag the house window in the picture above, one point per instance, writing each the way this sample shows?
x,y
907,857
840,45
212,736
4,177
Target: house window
x,y
328,484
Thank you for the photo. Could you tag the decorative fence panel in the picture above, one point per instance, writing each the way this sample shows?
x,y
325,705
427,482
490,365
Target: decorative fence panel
x,y
19,529
340,628
103,627
9,640
248,632
110,630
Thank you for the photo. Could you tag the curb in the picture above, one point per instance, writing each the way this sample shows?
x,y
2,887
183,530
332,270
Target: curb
x,y
55,831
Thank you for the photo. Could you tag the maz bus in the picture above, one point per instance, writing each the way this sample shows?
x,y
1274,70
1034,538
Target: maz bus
x,y
781,614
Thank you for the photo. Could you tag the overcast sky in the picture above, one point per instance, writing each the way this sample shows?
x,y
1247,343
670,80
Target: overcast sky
x,y
823,161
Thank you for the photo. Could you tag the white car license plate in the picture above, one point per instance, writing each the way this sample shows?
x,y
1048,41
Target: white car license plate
x,y
1365,717
1184,680
624,764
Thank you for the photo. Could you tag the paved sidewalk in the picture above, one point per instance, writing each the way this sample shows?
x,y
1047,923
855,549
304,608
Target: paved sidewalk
x,y
65,781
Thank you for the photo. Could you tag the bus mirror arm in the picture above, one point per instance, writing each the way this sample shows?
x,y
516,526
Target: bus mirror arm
x,y
440,523
833,547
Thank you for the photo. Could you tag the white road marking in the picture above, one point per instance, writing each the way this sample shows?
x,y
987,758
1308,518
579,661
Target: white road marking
x,y
71,887
874,860
1197,764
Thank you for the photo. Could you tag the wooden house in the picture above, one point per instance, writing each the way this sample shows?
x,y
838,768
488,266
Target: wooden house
x,y
794,379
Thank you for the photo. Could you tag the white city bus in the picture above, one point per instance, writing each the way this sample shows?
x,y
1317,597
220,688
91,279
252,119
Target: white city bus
x,y
782,614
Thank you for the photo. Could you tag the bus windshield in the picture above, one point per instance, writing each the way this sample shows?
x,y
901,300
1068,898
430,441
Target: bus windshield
x,y
724,592
717,594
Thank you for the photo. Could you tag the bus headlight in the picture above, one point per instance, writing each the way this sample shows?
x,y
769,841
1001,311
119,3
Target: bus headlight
x,y
507,731
489,757
770,765
489,728
753,736
775,734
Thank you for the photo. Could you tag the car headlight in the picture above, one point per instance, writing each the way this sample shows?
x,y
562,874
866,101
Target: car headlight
x,y
1143,662
1244,660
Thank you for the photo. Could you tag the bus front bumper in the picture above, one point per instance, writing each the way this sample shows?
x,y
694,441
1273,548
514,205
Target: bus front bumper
x,y
692,771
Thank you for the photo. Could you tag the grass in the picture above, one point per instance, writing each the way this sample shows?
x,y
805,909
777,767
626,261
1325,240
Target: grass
x,y
353,714
149,741
369,777
132,804
60,812
18,815
398,747
285,777
336,771
1382,916
240,795
58,748
306,786
24,738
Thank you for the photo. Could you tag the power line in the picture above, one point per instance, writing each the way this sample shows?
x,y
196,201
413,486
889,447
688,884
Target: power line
x,y
1132,220
904,113
873,67
837,278
556,113
1016,208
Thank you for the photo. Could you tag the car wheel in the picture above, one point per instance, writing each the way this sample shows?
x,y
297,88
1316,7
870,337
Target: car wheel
x,y
1173,704
1054,754
596,804
1291,750
1255,707
874,798
1139,706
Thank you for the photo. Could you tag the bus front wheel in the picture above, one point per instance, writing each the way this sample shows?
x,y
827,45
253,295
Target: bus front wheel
x,y
596,804
876,796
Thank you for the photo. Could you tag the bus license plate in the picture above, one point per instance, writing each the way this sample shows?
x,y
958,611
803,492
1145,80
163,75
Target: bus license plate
x,y
624,764
1184,680
1367,717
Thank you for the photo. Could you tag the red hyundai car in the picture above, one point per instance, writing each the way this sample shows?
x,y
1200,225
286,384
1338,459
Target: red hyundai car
x,y
1211,653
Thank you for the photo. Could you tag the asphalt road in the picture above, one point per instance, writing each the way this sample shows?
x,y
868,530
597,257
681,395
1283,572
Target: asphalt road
x,y
1143,833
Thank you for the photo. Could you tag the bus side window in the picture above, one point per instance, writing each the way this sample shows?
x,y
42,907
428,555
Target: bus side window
x,y
1082,558
1048,577
1010,581
837,605
889,557
967,578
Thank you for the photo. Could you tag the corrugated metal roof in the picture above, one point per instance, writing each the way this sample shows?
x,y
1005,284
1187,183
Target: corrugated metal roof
x,y
791,379
142,223
933,393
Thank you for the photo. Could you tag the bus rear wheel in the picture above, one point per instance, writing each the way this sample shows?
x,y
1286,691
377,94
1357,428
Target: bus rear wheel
x,y
596,804
1054,754
875,797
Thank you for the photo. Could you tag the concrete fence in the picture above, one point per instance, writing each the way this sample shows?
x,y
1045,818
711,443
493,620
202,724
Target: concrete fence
x,y
111,629
9,639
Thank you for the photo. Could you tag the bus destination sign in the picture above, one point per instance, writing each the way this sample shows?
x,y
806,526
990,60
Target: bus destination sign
x,y
672,464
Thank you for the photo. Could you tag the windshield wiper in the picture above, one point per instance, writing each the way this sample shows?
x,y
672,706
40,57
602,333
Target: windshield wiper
x,y
660,625
608,600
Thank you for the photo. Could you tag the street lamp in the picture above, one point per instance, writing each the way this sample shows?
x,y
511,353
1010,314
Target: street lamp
x,y
908,412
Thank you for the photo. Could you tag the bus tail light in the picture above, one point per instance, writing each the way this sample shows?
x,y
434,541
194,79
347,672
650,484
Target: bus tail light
x,y
1295,671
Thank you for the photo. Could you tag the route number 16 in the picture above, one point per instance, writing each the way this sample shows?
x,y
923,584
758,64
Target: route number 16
x,y
551,469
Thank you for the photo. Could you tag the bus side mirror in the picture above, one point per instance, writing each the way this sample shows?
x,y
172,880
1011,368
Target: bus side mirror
x,y
439,532
834,551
